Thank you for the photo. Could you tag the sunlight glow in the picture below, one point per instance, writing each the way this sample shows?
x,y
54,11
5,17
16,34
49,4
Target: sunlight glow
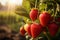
x,y
16,2
11,2
3,2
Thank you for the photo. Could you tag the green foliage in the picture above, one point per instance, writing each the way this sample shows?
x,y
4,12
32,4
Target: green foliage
x,y
42,5
26,5
22,11
13,20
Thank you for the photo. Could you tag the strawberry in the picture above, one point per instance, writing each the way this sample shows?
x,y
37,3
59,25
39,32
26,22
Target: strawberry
x,y
28,28
33,14
58,19
22,31
53,28
35,29
25,27
44,18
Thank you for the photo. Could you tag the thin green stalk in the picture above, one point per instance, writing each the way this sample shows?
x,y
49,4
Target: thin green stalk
x,y
46,7
59,8
34,39
46,35
36,4
54,11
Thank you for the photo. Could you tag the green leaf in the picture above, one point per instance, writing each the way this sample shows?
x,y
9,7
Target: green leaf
x,y
42,6
22,12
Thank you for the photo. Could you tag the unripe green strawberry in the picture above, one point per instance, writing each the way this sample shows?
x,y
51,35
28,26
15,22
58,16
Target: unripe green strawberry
x,y
36,29
33,14
44,18
53,28
22,31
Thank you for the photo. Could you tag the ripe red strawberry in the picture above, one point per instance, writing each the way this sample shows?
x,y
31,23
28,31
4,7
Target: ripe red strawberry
x,y
58,19
44,18
33,14
53,28
22,31
35,29
28,28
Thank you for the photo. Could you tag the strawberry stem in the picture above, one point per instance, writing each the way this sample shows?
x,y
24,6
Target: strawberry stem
x,y
59,8
46,7
36,4
54,11
33,39
46,35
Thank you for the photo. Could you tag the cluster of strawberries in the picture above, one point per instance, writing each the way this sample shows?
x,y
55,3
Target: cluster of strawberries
x,y
46,20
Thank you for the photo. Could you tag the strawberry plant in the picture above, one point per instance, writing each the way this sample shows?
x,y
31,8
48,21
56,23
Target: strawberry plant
x,y
42,20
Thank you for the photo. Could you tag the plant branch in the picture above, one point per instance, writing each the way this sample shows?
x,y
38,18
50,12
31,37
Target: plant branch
x,y
36,4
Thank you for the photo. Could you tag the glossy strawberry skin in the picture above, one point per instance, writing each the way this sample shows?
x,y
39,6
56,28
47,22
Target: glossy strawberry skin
x,y
44,18
28,28
22,31
35,29
33,14
53,28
